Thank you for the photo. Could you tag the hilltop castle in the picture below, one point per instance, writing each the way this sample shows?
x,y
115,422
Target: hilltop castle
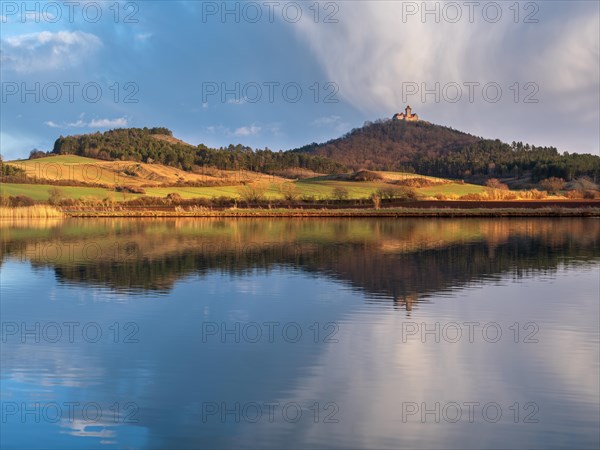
x,y
406,115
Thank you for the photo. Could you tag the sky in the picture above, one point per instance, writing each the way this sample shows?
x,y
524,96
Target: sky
x,y
283,74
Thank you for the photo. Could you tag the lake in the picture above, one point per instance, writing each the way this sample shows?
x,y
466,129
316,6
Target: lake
x,y
273,333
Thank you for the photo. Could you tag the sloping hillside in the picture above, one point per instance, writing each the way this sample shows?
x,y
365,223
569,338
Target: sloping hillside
x,y
435,150
391,144
89,171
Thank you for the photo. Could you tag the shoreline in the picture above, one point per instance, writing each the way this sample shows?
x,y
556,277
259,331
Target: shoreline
x,y
350,213
409,209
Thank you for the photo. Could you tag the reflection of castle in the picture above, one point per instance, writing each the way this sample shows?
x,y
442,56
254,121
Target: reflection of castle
x,y
407,115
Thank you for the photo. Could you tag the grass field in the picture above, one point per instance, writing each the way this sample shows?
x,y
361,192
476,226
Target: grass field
x,y
318,189
40,192
155,177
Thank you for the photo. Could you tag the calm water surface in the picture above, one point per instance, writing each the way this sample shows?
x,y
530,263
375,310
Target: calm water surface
x,y
412,333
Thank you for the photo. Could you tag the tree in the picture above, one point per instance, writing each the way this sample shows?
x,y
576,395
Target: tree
x,y
553,185
376,199
340,193
35,153
55,195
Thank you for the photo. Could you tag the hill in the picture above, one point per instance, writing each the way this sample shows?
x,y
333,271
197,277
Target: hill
x,y
157,145
435,150
391,144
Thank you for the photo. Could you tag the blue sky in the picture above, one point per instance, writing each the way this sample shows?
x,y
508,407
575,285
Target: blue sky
x,y
284,74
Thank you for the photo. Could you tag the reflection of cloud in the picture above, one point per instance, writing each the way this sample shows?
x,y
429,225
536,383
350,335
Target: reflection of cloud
x,y
45,51
371,372
82,428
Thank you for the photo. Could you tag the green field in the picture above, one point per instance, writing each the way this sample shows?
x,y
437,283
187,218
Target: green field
x,y
320,190
40,192
79,169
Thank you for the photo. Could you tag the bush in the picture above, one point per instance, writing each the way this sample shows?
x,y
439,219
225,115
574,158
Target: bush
x,y
252,193
590,194
474,197
174,197
130,189
575,194
533,194
289,191
500,194
20,200
366,175
495,183
418,182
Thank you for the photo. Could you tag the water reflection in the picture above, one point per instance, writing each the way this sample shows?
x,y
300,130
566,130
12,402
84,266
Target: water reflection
x,y
387,259
370,278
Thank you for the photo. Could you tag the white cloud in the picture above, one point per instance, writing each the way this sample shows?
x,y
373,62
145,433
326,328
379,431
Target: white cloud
x,y
119,122
45,50
371,54
251,130
108,123
369,63
246,131
334,122
143,37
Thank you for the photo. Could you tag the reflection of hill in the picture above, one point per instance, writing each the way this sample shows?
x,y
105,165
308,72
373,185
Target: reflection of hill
x,y
398,259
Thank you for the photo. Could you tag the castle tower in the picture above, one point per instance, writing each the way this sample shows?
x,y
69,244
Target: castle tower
x,y
406,115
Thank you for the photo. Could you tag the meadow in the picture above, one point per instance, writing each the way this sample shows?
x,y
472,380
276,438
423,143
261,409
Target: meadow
x,y
97,180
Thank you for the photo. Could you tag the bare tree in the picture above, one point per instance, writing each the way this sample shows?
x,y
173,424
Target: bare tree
x,y
340,193
553,185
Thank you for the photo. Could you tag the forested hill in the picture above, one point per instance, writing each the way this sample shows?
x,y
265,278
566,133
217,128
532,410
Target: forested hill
x,y
436,150
157,145
419,147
